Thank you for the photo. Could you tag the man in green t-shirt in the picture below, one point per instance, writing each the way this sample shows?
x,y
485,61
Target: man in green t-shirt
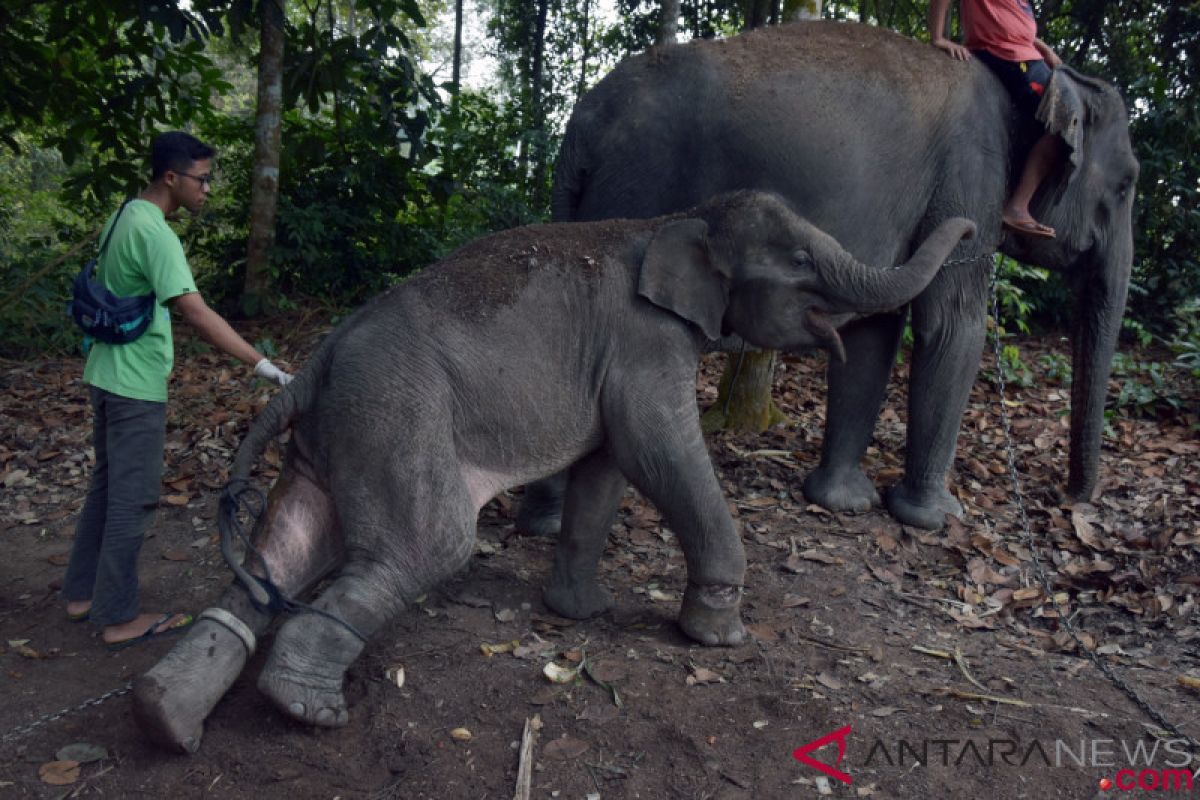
x,y
128,387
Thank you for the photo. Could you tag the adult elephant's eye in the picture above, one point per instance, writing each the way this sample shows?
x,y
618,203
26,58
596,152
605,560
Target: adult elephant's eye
x,y
801,259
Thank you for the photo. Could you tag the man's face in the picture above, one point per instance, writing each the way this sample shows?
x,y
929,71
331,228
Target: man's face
x,y
190,188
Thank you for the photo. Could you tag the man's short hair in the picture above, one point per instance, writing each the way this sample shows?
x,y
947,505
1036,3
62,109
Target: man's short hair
x,y
175,151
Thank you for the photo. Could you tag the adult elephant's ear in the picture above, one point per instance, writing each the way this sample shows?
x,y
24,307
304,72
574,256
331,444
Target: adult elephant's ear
x,y
1063,110
680,275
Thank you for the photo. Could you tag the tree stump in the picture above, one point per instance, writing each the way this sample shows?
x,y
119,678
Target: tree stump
x,y
744,395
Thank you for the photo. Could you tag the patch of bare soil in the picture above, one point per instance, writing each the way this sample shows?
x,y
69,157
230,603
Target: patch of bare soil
x,y
937,659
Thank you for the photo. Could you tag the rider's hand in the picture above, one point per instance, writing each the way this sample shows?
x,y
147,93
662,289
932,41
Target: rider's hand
x,y
952,49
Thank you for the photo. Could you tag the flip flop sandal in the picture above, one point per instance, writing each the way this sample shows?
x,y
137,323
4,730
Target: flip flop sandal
x,y
1035,229
153,631
82,616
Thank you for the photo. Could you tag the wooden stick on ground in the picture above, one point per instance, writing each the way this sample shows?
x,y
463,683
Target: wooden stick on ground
x,y
525,768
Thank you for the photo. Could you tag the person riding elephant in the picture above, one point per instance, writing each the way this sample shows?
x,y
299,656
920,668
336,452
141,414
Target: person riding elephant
x,y
876,138
416,411
1003,35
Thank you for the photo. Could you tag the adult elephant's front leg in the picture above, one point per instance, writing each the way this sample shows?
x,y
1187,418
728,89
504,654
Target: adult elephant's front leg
x,y
948,336
856,389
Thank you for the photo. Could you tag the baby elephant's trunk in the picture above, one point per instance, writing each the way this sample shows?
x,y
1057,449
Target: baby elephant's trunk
x,y
868,290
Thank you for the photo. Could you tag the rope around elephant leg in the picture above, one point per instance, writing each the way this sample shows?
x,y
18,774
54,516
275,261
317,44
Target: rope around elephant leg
x,y
1028,540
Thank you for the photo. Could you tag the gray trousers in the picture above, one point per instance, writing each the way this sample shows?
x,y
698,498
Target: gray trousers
x,y
128,436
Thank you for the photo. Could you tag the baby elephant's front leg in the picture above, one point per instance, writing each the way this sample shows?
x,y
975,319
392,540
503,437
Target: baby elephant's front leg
x,y
670,465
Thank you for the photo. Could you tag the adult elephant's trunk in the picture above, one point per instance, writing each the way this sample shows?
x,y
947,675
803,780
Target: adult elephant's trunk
x,y
852,286
1100,303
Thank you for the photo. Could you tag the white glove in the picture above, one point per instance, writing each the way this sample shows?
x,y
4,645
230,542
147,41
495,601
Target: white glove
x,y
265,369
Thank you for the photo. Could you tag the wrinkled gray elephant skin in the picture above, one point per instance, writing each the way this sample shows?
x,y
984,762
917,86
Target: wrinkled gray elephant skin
x,y
523,354
875,138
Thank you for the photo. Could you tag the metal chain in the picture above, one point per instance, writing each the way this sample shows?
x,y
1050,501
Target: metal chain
x,y
17,733
1027,535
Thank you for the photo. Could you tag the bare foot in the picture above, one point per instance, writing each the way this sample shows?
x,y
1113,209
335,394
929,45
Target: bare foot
x,y
78,610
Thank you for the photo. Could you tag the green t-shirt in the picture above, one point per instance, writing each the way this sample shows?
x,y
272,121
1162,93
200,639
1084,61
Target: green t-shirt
x,y
143,256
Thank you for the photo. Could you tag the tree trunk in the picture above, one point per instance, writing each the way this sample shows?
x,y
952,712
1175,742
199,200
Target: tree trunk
x,y
757,13
586,44
744,397
537,115
668,26
794,10
264,187
456,74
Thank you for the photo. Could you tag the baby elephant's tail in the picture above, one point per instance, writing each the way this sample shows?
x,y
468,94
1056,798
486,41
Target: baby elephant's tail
x,y
289,404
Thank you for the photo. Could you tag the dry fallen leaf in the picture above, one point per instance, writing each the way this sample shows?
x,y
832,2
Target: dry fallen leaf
x,y
59,773
490,650
702,675
178,554
565,748
829,682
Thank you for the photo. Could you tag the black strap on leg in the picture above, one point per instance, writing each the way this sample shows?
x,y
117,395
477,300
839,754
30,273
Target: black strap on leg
x,y
265,595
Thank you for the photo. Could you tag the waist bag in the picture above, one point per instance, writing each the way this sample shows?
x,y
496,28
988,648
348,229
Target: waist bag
x,y
102,315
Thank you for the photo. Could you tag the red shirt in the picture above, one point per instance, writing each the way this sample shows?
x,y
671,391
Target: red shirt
x,y
1005,28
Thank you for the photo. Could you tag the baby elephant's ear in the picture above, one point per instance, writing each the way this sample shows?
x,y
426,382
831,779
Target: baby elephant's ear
x,y
678,274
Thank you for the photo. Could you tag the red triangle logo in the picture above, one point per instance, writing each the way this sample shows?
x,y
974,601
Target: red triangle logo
x,y
839,736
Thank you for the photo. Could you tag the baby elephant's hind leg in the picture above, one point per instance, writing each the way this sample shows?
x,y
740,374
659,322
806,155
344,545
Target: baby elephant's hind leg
x,y
592,499
298,538
304,672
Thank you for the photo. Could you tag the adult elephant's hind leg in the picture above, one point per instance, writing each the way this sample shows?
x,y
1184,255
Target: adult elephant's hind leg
x,y
397,549
593,495
856,390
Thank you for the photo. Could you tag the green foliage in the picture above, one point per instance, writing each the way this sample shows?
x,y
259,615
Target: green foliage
x,y
1012,293
1186,343
43,244
92,79
1147,389
1055,367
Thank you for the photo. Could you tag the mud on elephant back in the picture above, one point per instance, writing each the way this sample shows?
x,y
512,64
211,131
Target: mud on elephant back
x,y
417,410
875,138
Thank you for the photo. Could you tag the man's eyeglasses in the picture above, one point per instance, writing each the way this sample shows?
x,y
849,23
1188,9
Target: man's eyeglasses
x,y
205,180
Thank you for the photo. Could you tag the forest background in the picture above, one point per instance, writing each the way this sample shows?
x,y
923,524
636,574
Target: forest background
x,y
403,128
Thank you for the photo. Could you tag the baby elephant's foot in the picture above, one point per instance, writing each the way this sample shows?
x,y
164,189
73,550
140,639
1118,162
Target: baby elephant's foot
x,y
712,615
306,698
304,672
577,600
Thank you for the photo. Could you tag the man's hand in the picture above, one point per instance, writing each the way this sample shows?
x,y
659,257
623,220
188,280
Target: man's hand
x,y
265,369
952,49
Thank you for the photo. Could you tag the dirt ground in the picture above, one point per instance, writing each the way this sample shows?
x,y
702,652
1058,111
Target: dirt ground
x,y
938,652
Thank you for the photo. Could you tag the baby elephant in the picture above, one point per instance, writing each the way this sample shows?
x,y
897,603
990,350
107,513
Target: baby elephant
x,y
414,413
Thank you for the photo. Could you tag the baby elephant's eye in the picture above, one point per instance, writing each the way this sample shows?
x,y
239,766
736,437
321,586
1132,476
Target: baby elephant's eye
x,y
802,259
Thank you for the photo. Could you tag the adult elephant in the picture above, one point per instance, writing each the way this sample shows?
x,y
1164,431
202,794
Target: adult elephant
x,y
876,138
